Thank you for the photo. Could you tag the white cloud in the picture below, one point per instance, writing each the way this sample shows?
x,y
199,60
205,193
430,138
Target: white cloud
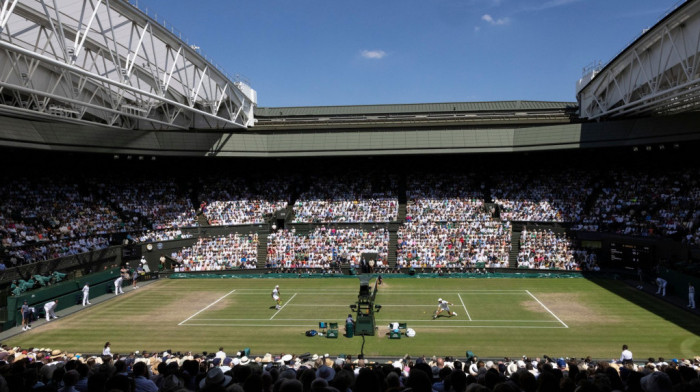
x,y
495,22
476,29
373,54
551,4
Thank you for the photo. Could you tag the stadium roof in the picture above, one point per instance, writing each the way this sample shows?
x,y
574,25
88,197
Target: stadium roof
x,y
445,107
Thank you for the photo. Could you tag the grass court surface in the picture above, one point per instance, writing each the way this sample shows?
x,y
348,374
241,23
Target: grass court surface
x,y
572,317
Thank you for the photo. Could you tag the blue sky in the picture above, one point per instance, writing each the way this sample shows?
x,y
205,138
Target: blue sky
x,y
328,52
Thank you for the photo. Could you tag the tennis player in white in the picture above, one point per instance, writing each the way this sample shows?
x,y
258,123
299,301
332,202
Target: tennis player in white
x,y
443,306
276,297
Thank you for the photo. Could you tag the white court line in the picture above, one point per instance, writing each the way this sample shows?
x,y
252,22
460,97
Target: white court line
x,y
285,304
464,306
390,291
347,306
208,306
420,326
517,321
427,321
547,309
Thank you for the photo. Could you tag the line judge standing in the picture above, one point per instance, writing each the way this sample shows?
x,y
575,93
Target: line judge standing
x,y
86,294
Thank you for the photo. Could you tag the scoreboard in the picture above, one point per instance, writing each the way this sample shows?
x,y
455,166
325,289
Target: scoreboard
x,y
631,255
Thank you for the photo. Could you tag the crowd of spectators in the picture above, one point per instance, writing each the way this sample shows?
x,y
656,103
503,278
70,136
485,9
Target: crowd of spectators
x,y
542,196
648,203
51,209
239,201
325,247
544,249
444,198
160,235
234,251
454,244
157,203
47,370
52,217
53,250
48,217
348,198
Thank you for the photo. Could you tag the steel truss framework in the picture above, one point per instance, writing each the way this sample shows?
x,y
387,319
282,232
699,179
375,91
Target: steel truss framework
x,y
105,62
658,74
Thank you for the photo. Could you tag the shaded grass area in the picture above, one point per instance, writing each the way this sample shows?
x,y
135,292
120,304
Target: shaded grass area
x,y
495,318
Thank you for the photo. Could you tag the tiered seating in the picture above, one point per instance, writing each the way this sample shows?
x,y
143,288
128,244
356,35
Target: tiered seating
x,y
235,201
220,253
448,225
160,203
542,196
648,203
453,198
454,245
543,249
351,197
324,247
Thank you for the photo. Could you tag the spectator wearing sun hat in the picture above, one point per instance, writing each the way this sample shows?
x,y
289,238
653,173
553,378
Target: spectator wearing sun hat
x,y
656,382
325,372
214,380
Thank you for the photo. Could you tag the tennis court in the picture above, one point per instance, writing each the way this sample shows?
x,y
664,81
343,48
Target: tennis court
x,y
495,318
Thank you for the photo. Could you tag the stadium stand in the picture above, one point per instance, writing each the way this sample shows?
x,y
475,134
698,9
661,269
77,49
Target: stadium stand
x,y
325,248
540,249
353,197
45,218
243,201
234,251
454,245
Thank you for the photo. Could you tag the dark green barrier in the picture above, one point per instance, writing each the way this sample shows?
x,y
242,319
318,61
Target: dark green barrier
x,y
678,283
68,294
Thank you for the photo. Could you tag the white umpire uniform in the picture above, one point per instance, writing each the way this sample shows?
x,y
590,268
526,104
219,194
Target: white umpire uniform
x,y
118,285
691,296
661,282
86,294
50,310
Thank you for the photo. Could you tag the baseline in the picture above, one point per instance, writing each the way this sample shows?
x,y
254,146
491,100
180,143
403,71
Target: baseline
x,y
426,326
428,323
